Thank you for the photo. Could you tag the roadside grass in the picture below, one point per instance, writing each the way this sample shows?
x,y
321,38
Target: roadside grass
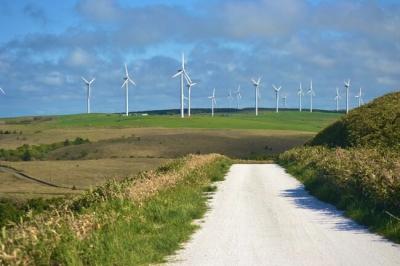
x,y
364,183
132,222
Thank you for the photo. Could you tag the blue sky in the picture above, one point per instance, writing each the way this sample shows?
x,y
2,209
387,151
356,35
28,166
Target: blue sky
x,y
45,46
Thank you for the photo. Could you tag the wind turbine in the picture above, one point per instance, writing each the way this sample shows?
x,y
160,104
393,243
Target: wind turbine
x,y
88,84
256,85
182,72
189,85
277,96
238,97
127,79
213,102
347,86
312,94
359,96
300,92
284,98
337,97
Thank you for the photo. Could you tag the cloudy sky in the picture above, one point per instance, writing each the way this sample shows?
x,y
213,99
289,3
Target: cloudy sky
x,y
46,45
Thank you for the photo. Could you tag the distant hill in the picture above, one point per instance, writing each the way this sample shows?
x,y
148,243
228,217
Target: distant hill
x,y
221,110
376,124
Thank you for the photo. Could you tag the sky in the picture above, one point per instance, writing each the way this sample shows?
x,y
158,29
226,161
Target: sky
x,y
46,46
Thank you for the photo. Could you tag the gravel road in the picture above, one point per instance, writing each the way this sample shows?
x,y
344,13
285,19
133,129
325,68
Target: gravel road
x,y
261,215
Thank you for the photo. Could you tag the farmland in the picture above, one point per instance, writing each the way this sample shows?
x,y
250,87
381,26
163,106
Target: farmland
x,y
115,146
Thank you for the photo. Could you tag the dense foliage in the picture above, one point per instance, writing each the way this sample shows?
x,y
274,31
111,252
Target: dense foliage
x,y
376,124
365,182
355,164
36,152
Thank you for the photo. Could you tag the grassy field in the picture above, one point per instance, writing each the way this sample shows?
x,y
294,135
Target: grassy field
x,y
77,174
122,146
285,120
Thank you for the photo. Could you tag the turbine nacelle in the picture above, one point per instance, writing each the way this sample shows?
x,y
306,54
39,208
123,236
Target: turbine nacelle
x,y
256,83
276,89
347,84
127,79
88,82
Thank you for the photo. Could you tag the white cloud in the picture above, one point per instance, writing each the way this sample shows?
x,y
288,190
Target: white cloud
x,y
53,78
79,57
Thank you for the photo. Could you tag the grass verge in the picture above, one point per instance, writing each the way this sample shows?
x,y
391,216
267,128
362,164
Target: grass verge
x,y
365,183
137,221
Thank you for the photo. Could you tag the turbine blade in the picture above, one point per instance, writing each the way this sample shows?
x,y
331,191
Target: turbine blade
x,y
131,81
93,79
126,70
177,74
2,91
123,84
87,82
188,79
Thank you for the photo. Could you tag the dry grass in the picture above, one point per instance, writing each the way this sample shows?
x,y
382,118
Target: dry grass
x,y
81,174
23,243
16,188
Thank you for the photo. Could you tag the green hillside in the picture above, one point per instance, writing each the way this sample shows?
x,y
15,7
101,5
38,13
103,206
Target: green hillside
x,y
376,124
267,120
355,164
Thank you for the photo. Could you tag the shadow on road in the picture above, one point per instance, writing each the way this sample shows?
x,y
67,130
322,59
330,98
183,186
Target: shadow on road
x,y
329,214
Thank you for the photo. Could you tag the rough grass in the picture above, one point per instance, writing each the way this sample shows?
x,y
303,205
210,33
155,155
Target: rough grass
x,y
364,182
360,172
376,124
81,174
132,222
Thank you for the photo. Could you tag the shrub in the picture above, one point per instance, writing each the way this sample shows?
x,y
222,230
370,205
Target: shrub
x,y
376,124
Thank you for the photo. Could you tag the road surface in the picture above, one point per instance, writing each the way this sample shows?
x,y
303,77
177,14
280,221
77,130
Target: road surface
x,y
261,215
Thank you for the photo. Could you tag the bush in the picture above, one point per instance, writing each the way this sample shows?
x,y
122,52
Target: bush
x,y
376,124
37,152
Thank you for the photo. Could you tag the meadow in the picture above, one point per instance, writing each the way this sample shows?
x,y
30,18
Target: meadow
x,y
116,146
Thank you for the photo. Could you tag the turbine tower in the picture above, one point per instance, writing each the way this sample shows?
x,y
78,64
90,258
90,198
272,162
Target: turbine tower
x,y
88,85
189,85
182,72
256,85
359,96
213,102
337,97
301,94
312,94
127,79
347,86
238,97
277,96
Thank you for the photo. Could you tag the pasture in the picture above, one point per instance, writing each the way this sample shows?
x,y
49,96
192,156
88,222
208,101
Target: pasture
x,y
122,146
